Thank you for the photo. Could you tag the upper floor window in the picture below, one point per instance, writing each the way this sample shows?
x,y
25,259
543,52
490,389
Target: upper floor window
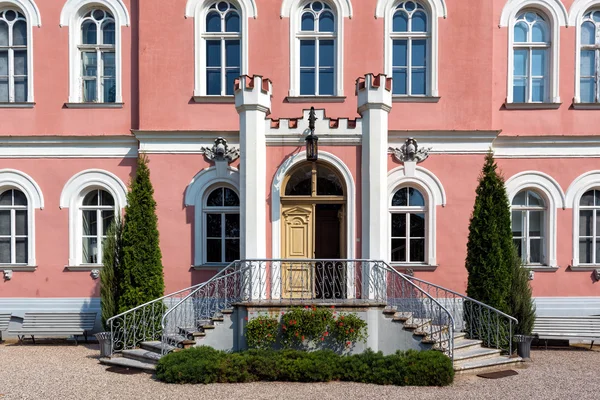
x,y
222,226
589,74
411,46
531,55
13,227
528,226
589,227
408,212
14,60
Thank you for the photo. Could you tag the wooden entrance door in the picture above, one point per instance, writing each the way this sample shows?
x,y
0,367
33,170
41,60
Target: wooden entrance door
x,y
298,243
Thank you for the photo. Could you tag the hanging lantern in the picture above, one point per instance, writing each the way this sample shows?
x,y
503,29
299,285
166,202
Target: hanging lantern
x,y
312,145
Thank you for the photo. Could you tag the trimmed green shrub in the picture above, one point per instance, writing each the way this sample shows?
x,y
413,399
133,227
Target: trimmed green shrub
x,y
207,365
261,332
520,301
142,278
112,255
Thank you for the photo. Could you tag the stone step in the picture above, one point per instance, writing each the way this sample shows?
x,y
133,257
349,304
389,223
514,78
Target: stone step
x,y
463,342
415,323
128,363
156,346
142,355
402,316
227,311
484,364
475,352
179,341
190,332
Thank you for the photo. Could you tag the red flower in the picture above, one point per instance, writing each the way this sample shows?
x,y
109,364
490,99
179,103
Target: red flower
x,y
297,334
302,337
306,307
322,339
326,334
351,330
282,313
341,317
284,327
341,324
332,306
246,318
348,343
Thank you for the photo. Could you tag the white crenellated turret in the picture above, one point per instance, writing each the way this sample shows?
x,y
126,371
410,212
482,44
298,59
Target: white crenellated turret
x,y
253,104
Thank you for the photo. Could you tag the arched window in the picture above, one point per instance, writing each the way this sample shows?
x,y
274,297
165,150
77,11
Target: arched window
x,y
408,221
97,213
221,37
13,57
222,226
411,47
589,228
529,226
531,55
589,67
14,232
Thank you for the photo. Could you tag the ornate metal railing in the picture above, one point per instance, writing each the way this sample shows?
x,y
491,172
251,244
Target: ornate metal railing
x,y
298,282
478,320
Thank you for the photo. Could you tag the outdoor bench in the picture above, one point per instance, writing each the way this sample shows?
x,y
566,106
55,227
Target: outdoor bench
x,y
567,328
56,324
4,320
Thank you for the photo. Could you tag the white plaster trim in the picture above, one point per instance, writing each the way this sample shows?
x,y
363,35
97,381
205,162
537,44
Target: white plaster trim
x,y
11,178
181,142
576,13
195,196
71,15
447,142
72,195
68,147
435,194
292,9
556,13
546,146
343,7
197,9
437,7
578,187
280,175
554,198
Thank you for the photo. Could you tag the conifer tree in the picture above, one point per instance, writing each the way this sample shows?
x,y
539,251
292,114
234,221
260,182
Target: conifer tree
x,y
142,279
112,256
520,303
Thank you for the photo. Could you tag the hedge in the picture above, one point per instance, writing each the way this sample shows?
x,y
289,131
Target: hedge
x,y
206,365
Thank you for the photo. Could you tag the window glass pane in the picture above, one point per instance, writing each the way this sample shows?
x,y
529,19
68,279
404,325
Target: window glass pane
x,y
89,90
400,198
585,251
300,182
535,251
20,90
213,225
89,253
326,22
537,90
520,62
419,49
4,89
213,250
418,84
20,33
587,63
21,250
4,63
307,53
521,32
399,82
417,250
585,222
587,199
399,225
213,53
416,199
215,199
91,199
108,59
588,33
232,53
20,62
3,33
419,22
110,90
213,22
232,22
213,82
517,243
4,251
538,63
89,63
326,53
399,50
517,223
417,225
326,83
399,250
6,198
536,223
400,22
90,222
520,198
597,192
587,90
19,198
232,225
21,222
88,32
597,223
328,183
308,22
597,245
307,82
534,199
5,222
232,250
230,76
231,198
538,32
596,16
519,90
108,216
108,32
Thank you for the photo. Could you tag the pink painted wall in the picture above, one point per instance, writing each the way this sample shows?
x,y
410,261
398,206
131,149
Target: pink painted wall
x,y
51,279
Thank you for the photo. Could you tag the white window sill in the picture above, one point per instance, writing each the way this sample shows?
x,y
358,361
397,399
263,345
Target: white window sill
x,y
83,267
415,99
18,267
414,267
540,268
532,106
586,106
94,105
584,267
16,105
315,99
213,266
214,99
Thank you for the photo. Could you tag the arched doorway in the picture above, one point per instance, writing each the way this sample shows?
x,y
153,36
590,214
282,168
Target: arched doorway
x,y
313,221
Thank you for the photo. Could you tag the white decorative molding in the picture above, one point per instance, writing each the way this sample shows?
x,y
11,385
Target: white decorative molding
x,y
579,8
435,195
447,142
546,146
71,16
553,196
344,7
181,142
276,190
410,152
72,195
576,13
555,8
195,195
220,151
248,7
8,274
437,7
68,147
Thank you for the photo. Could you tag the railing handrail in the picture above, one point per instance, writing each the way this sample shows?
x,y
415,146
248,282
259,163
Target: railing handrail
x,y
466,298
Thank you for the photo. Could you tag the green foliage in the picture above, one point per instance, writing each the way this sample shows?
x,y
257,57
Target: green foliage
x,y
142,278
261,332
112,255
520,301
489,247
207,365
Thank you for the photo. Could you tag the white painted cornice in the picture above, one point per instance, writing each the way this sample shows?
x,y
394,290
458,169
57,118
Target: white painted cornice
x,y
546,146
68,146
447,142
181,142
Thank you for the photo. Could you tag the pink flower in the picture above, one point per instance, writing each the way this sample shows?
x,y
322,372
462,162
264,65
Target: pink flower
x,y
348,343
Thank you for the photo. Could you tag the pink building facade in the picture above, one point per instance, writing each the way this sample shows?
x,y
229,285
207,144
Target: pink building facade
x,y
87,85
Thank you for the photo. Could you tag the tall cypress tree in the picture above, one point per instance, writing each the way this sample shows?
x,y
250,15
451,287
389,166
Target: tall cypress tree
x,y
142,278
490,251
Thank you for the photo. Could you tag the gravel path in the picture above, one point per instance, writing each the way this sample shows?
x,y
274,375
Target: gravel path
x,y
66,371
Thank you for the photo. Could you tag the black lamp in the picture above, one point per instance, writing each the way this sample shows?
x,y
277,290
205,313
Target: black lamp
x,y
312,145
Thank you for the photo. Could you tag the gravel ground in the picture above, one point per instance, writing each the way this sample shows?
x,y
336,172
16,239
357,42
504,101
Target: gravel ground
x,y
65,371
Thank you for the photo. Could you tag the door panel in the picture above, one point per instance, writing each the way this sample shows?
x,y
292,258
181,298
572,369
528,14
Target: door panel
x,y
297,240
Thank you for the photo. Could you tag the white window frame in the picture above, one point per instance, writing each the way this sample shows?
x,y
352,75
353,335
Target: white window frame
x,y
31,12
557,16
12,236
72,16
576,14
13,179
222,211
525,236
99,224
72,197
408,210
435,9
292,9
198,9
594,237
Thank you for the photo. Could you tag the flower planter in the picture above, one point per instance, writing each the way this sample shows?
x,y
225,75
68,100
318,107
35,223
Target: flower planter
x,y
524,346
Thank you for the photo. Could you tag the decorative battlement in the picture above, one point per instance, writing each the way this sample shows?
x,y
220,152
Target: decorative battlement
x,y
253,93
374,91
